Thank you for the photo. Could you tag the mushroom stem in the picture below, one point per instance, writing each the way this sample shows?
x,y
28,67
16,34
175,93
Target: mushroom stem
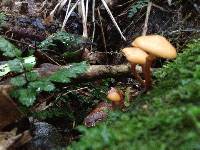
x,y
137,76
147,72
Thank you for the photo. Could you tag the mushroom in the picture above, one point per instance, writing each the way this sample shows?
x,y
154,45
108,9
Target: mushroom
x,y
135,56
116,96
155,46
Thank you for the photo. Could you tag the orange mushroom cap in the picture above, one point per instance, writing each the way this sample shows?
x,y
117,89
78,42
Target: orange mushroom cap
x,y
135,55
114,95
156,45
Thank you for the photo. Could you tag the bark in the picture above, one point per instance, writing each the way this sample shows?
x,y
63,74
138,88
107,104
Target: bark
x,y
105,71
93,72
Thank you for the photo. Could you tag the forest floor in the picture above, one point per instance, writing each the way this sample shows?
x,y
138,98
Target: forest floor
x,y
54,78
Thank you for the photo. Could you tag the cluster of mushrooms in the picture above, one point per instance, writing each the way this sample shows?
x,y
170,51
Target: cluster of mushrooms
x,y
144,50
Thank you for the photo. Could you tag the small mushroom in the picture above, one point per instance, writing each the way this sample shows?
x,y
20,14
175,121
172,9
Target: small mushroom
x,y
155,46
116,96
135,56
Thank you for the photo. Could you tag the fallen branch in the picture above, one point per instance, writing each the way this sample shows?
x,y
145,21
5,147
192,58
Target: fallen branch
x,y
105,71
93,72
145,28
113,19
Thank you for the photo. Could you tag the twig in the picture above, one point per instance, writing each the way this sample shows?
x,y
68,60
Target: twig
x,y
183,30
103,35
86,9
86,14
84,20
55,8
62,4
122,5
147,19
47,56
29,45
69,14
93,72
161,8
113,19
64,22
93,21
43,5
134,22
196,7
169,2
77,90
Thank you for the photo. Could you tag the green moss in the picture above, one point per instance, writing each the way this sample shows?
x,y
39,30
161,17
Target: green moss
x,y
166,118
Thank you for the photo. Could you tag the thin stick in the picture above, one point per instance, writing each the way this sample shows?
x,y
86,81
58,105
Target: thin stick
x,y
113,19
77,90
51,59
43,5
147,19
68,7
161,8
55,8
65,21
86,9
69,14
62,4
84,19
169,2
93,21
86,14
102,31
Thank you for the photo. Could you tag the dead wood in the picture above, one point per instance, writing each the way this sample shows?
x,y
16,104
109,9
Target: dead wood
x,y
93,72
